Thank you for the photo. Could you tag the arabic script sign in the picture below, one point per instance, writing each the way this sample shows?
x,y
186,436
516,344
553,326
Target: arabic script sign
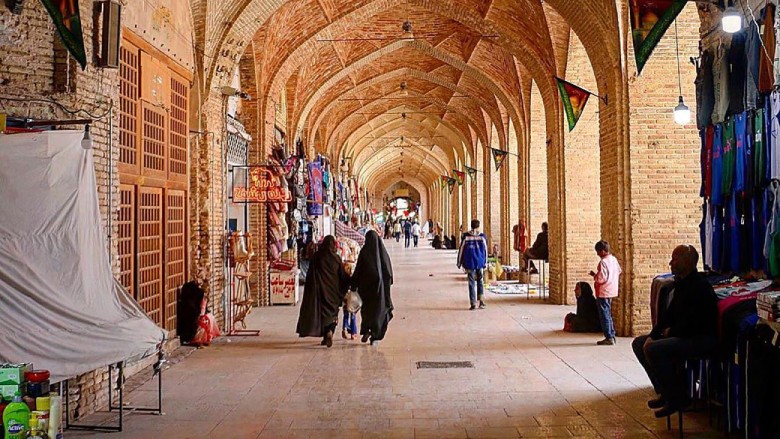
x,y
262,187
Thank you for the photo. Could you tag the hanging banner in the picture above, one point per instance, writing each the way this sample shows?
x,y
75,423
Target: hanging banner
x,y
649,21
498,157
67,21
450,183
574,99
261,186
314,198
459,176
445,180
471,171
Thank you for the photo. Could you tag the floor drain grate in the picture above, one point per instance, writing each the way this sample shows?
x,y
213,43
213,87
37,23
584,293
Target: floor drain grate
x,y
444,364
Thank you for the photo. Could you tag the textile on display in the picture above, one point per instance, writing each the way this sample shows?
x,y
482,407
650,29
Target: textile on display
x,y
314,201
60,306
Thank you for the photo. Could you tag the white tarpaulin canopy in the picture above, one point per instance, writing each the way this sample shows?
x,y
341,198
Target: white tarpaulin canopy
x,y
60,307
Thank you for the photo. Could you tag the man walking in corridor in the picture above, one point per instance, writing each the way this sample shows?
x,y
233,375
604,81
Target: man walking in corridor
x,y
416,232
472,256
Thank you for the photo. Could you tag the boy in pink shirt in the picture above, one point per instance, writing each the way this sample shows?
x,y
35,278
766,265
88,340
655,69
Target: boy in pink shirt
x,y
606,280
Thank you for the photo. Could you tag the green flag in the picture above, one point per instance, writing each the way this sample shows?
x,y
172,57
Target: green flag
x,y
574,99
450,183
471,171
649,21
67,20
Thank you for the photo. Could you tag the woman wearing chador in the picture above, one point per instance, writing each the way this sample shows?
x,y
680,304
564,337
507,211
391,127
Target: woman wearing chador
x,y
372,278
323,294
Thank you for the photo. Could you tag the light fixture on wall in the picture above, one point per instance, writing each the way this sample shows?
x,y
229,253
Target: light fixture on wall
x,y
682,114
731,20
404,91
86,142
230,92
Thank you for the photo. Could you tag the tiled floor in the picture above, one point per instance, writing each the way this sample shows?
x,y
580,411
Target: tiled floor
x,y
529,379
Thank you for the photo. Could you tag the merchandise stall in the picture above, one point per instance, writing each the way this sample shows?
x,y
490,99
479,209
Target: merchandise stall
x,y
740,233
84,320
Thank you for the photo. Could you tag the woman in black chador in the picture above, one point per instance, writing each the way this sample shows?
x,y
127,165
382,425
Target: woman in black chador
x,y
326,285
372,278
587,317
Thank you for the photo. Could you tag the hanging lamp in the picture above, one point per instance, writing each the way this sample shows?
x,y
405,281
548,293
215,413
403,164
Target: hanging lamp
x,y
682,114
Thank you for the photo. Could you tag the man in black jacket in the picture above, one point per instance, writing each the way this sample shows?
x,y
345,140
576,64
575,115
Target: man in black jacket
x,y
539,250
686,330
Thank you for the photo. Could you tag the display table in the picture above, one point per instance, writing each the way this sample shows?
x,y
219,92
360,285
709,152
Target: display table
x,y
284,287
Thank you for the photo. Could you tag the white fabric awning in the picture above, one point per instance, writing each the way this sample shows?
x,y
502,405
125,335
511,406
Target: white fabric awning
x,y
60,307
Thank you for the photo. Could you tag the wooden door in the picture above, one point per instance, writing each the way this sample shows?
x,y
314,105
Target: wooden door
x,y
175,250
149,292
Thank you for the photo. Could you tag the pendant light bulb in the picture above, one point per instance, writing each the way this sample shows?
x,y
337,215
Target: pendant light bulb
x,y
86,142
682,114
731,20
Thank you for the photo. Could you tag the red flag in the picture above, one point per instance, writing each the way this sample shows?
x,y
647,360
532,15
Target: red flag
x,y
574,99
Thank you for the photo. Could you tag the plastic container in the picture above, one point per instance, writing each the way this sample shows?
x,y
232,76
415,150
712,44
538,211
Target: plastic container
x,y
15,419
37,376
55,415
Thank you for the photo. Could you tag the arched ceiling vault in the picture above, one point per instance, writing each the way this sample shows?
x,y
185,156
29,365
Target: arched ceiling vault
x,y
460,84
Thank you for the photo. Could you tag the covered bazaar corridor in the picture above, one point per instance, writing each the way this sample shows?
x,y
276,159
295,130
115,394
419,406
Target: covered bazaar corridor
x,y
529,379
170,168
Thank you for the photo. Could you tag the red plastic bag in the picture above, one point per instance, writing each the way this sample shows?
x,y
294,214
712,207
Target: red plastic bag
x,y
207,330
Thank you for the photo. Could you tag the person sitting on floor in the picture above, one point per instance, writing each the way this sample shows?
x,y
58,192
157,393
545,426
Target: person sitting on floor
x,y
539,250
451,243
436,243
447,243
688,329
586,319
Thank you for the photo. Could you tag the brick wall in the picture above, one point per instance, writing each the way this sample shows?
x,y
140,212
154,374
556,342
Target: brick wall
x,y
581,152
665,177
495,194
538,165
512,205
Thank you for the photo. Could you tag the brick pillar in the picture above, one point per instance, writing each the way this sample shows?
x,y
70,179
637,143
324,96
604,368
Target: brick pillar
x,y
512,203
537,162
583,212
665,206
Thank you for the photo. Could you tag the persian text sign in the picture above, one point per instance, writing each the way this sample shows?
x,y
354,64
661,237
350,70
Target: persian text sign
x,y
262,187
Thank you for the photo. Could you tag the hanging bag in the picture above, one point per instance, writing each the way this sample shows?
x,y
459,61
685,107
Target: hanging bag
x,y
353,301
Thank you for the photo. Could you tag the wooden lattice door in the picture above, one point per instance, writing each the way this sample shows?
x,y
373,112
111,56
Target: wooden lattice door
x,y
149,292
129,94
176,252
126,236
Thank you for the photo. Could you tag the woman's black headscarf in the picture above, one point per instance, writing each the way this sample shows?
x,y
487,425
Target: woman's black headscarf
x,y
326,285
372,278
587,310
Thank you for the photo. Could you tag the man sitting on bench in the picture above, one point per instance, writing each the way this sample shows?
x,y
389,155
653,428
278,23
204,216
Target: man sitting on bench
x,y
687,330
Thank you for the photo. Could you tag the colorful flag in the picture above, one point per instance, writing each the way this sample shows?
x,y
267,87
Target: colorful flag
x,y
67,21
498,157
450,183
649,21
472,172
444,181
574,99
459,176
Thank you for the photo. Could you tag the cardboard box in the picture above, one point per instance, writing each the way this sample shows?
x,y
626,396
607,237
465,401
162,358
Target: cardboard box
x,y
7,392
13,373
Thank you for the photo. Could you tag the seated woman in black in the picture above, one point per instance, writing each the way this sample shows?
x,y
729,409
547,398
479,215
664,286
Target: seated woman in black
x,y
587,317
450,242
436,242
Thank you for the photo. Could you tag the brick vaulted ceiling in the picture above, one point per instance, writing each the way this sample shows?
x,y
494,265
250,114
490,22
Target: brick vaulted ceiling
x,y
465,71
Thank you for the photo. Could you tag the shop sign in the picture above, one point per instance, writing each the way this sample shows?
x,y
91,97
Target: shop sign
x,y
263,187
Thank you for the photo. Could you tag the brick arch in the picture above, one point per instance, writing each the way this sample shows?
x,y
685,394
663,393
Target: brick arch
x,y
425,48
412,119
408,73
376,170
414,152
400,128
533,48
388,182
389,113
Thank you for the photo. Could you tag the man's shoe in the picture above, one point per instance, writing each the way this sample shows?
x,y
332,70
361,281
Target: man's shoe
x,y
481,305
606,342
472,307
344,333
656,403
329,339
